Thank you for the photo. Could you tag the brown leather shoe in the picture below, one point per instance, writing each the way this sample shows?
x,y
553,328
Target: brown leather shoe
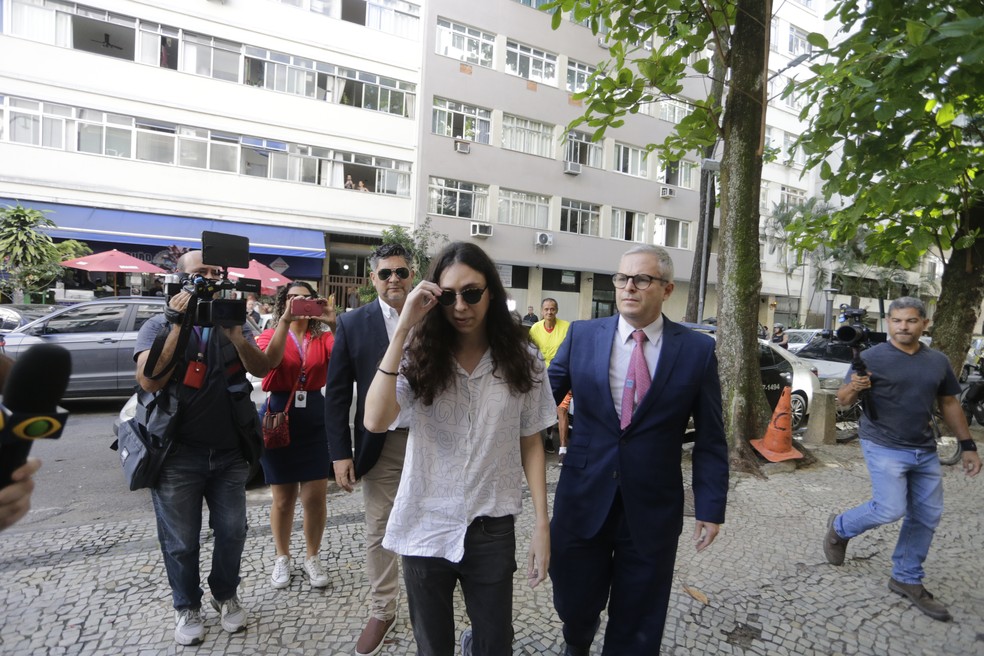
x,y
371,640
921,598
834,546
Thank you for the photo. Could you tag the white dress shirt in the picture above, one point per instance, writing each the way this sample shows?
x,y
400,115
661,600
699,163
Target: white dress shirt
x,y
391,317
622,346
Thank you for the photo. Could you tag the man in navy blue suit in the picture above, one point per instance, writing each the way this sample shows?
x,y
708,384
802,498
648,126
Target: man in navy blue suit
x,y
618,510
361,339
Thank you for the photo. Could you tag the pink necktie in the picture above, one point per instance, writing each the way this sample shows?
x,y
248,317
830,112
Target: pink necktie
x,y
637,379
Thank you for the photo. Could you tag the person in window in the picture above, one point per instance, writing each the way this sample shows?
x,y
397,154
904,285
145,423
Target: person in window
x,y
362,186
349,184
462,485
298,350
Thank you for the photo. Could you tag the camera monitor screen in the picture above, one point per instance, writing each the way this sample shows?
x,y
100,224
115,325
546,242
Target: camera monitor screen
x,y
222,250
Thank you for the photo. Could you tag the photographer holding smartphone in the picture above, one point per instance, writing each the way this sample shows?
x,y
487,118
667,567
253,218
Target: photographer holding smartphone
x,y
298,349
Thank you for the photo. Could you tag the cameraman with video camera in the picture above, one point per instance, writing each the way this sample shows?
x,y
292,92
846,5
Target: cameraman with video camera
x,y
901,380
215,446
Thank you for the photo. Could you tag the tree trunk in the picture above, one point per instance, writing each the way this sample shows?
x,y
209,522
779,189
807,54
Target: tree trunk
x,y
961,293
746,412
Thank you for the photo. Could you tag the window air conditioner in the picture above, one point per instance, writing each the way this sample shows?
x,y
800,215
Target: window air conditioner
x,y
544,239
667,192
572,168
481,229
463,147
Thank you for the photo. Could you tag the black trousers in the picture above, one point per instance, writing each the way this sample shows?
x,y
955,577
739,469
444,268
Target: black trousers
x,y
610,568
486,576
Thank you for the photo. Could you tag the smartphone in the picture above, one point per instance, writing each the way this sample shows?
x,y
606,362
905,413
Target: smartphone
x,y
307,307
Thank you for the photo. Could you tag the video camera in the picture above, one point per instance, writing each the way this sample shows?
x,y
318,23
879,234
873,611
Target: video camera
x,y
856,335
223,251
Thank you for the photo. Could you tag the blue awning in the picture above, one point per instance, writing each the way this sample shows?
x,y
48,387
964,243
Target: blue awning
x,y
101,224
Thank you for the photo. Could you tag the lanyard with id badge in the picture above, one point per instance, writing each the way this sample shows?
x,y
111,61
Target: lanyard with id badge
x,y
195,372
300,394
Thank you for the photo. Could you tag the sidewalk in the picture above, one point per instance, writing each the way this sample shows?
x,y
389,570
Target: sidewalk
x,y
101,589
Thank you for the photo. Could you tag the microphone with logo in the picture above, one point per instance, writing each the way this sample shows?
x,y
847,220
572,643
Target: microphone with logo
x,y
29,411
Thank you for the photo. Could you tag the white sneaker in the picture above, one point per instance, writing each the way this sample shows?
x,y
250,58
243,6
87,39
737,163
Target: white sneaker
x,y
281,572
316,573
231,613
188,627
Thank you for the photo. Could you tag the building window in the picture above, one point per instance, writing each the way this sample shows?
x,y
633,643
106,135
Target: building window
x,y
524,209
631,160
391,16
582,150
461,121
672,233
577,75
580,218
628,225
798,45
674,111
794,154
113,135
793,100
791,197
531,63
465,43
774,35
155,141
680,174
158,45
369,91
455,198
764,197
536,4
526,136
211,57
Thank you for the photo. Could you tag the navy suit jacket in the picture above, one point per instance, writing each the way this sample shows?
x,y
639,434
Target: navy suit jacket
x,y
644,459
360,342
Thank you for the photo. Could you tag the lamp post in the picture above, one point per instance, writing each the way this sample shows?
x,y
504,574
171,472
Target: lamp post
x,y
828,310
711,166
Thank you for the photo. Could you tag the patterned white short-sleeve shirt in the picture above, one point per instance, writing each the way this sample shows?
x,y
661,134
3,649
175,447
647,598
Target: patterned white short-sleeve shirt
x,y
463,459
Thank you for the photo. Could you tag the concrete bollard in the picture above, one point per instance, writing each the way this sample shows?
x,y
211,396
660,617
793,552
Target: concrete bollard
x,y
822,426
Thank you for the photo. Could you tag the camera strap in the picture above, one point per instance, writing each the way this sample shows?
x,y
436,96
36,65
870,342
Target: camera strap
x,y
179,350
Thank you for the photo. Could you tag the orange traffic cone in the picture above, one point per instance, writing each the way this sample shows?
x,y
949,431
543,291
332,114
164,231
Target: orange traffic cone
x,y
777,445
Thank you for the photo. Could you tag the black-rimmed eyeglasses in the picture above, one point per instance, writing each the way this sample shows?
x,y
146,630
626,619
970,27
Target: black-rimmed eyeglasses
x,y
471,296
640,280
402,273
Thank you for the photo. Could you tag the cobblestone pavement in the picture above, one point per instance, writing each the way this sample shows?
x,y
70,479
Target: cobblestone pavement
x,y
101,589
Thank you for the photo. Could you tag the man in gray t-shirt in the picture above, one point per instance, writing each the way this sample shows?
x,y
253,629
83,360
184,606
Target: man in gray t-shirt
x,y
903,381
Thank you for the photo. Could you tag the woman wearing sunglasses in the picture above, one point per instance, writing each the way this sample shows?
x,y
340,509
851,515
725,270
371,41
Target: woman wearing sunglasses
x,y
298,349
475,387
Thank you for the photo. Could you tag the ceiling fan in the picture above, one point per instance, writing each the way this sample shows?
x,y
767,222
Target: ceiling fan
x,y
105,43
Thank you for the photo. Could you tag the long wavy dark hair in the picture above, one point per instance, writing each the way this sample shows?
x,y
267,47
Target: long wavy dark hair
x,y
429,365
314,327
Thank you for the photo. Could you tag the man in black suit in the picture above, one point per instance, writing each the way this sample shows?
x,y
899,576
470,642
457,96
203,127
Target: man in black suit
x,y
361,339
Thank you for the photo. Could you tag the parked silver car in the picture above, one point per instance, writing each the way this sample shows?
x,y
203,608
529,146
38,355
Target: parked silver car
x,y
99,334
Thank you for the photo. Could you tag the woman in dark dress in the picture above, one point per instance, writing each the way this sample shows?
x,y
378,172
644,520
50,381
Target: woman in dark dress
x,y
298,349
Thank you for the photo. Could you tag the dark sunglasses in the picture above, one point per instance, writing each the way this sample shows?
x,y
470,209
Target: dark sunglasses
x,y
402,273
471,296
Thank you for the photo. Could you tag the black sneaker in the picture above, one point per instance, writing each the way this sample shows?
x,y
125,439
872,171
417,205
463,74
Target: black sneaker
x,y
548,446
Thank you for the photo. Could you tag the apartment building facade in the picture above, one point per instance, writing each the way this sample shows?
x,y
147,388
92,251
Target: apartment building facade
x,y
139,124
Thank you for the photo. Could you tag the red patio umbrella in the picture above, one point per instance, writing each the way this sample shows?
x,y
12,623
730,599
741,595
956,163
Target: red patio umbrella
x,y
269,279
112,262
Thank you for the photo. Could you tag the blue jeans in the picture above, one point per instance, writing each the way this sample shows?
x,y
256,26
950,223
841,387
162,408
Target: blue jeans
x,y
486,575
905,483
189,475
